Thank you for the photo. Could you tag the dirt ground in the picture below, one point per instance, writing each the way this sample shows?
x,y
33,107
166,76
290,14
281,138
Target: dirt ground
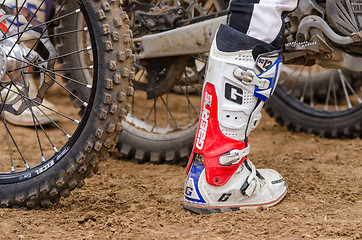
x,y
130,201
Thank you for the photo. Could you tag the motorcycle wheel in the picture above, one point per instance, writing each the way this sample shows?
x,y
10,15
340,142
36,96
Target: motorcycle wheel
x,y
162,129
163,119
317,101
42,163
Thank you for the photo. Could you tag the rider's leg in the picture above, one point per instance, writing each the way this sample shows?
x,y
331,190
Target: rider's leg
x,y
242,74
260,19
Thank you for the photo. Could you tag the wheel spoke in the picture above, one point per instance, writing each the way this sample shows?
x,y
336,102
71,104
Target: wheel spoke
x,y
21,34
9,147
62,70
331,80
186,94
46,28
30,107
155,115
45,70
302,97
311,91
159,112
321,88
169,112
66,89
343,82
15,18
65,55
353,92
189,105
195,88
24,46
143,71
2,115
167,119
36,103
13,140
286,79
26,98
335,97
149,113
54,35
42,24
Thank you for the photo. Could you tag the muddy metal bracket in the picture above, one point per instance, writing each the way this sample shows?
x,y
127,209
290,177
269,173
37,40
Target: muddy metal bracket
x,y
190,39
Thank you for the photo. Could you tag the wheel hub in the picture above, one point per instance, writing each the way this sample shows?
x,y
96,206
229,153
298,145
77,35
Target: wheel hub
x,y
12,61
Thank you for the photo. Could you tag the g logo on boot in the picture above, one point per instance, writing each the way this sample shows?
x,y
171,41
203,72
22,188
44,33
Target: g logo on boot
x,y
233,93
224,197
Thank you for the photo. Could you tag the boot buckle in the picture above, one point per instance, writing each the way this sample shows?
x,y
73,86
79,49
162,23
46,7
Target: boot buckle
x,y
245,76
234,156
248,187
249,77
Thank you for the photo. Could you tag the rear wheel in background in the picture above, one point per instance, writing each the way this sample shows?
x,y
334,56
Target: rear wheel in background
x,y
314,100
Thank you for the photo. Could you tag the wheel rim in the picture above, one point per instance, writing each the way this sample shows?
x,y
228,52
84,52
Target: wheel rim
x,y
85,57
53,126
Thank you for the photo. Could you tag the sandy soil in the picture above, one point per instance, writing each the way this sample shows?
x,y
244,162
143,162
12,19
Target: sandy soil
x,y
129,201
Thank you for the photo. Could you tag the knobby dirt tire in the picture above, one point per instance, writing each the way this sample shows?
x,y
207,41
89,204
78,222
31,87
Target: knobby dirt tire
x,y
300,117
171,148
97,131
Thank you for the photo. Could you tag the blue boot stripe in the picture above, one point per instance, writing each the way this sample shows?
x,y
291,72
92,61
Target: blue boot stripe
x,y
265,94
190,191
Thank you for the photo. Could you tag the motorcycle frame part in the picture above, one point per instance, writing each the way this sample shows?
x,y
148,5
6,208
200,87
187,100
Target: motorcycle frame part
x,y
182,23
311,40
147,17
310,14
159,21
162,73
187,40
197,38
317,22
202,29
321,52
163,84
343,15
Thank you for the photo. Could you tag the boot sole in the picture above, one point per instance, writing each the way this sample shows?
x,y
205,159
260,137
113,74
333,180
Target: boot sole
x,y
208,210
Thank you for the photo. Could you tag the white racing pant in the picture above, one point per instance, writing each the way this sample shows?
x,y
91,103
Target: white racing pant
x,y
260,19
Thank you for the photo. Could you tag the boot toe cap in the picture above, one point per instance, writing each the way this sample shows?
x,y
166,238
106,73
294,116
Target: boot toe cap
x,y
274,181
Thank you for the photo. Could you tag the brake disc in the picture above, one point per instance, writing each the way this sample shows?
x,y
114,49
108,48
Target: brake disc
x,y
15,56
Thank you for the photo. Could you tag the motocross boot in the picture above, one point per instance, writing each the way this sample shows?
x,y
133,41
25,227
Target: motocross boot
x,y
238,82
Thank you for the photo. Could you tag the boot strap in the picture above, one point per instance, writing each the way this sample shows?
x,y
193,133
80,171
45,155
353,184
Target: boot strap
x,y
234,156
250,183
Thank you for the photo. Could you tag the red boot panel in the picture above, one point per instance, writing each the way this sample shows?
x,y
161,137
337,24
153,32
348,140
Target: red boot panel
x,y
212,143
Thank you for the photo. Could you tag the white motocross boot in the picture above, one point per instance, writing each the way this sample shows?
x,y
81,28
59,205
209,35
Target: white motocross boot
x,y
220,177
